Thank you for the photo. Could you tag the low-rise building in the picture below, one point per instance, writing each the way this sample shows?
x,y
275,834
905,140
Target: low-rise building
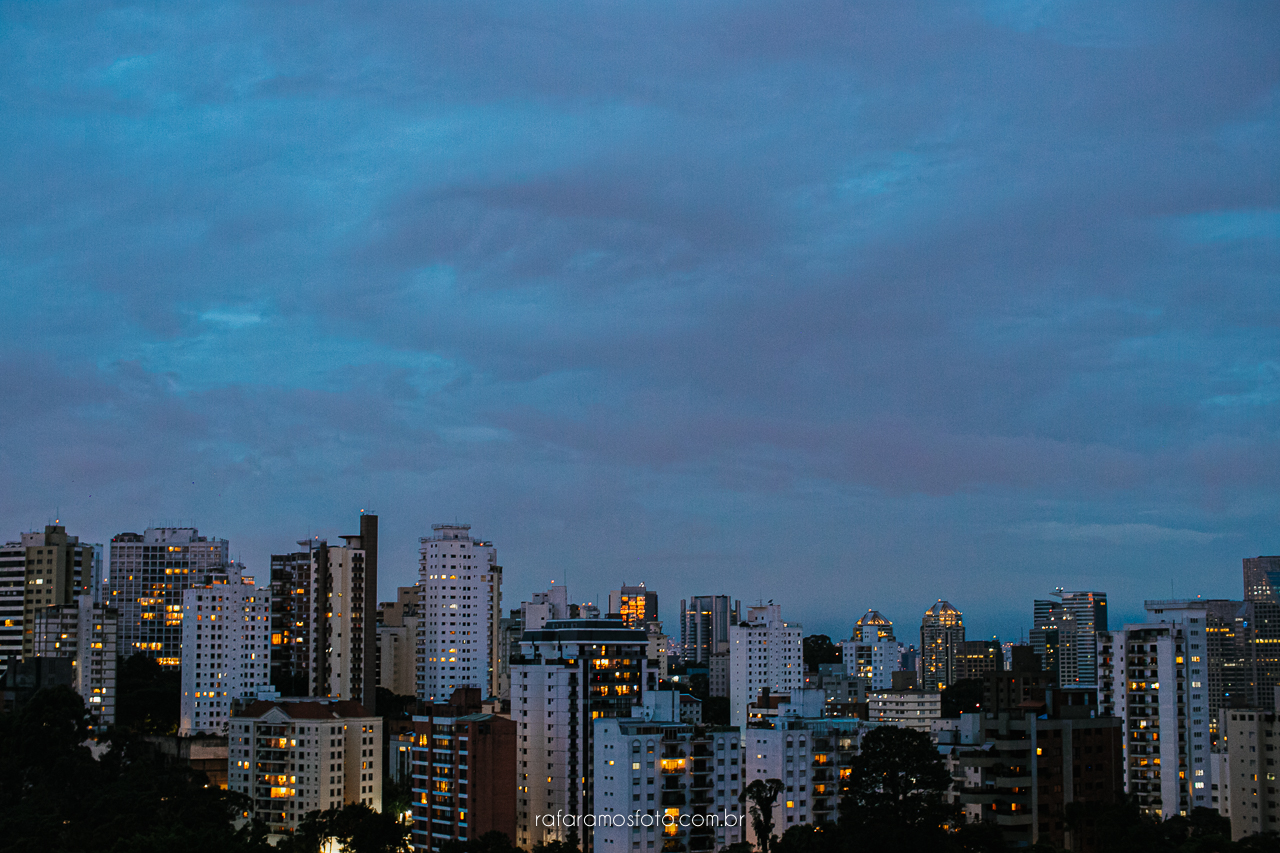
x,y
912,709
295,756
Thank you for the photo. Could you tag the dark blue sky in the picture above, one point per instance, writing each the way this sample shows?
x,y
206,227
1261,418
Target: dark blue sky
x,y
843,306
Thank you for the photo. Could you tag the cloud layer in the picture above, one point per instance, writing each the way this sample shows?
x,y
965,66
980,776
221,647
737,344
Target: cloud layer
x,y
840,306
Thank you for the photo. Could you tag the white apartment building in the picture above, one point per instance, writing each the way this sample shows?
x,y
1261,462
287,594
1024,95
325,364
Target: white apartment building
x,y
651,771
87,633
461,584
1152,676
569,673
764,653
808,755
226,650
294,757
872,653
13,574
909,709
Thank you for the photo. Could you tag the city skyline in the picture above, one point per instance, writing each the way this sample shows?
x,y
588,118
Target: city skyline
x,y
854,308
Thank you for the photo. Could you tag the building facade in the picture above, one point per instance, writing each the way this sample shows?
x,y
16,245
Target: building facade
x,y
226,650
637,606
677,783
461,586
1152,676
291,758
291,617
941,634
149,573
463,767
570,673
398,630
704,626
43,569
765,653
1065,635
87,633
871,654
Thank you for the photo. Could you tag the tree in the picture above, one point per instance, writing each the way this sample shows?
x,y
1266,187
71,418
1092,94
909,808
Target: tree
x,y
355,827
490,842
896,791
819,649
715,711
54,795
808,838
762,793
148,697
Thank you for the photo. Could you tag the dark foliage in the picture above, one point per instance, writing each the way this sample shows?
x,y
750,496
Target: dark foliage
x,y
896,792
393,706
490,842
762,795
54,796
148,697
355,827
819,649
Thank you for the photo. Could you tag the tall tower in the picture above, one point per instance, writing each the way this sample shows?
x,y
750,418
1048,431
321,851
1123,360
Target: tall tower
x,y
636,605
1065,635
461,585
872,653
344,616
941,633
1261,628
291,616
149,574
765,653
704,626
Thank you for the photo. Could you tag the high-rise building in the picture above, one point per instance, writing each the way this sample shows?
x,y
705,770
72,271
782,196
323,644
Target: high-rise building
x,y
86,633
941,633
704,626
398,642
44,569
1248,784
226,649
291,618
1064,634
976,658
765,653
344,616
149,574
662,769
295,757
636,605
569,673
1259,628
461,585
464,762
1153,676
872,652
1032,763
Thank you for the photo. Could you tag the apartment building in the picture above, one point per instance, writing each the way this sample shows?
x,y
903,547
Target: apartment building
x,y
765,653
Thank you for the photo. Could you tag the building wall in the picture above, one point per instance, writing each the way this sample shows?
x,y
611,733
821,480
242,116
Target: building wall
x,y
911,709
765,652
87,633
1253,748
941,635
291,618
647,769
463,765
291,758
461,584
226,651
149,574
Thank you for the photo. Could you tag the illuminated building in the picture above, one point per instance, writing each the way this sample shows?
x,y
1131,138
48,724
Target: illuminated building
x,y
704,626
463,767
293,757
43,569
461,585
941,633
86,633
872,653
765,653
226,648
569,673
149,574
636,605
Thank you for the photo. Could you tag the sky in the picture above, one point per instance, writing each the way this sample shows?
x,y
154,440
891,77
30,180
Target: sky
x,y
839,305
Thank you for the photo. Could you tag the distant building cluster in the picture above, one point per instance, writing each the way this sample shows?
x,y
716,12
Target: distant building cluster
x,y
557,707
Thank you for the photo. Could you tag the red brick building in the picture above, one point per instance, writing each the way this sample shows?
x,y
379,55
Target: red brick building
x,y
464,772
